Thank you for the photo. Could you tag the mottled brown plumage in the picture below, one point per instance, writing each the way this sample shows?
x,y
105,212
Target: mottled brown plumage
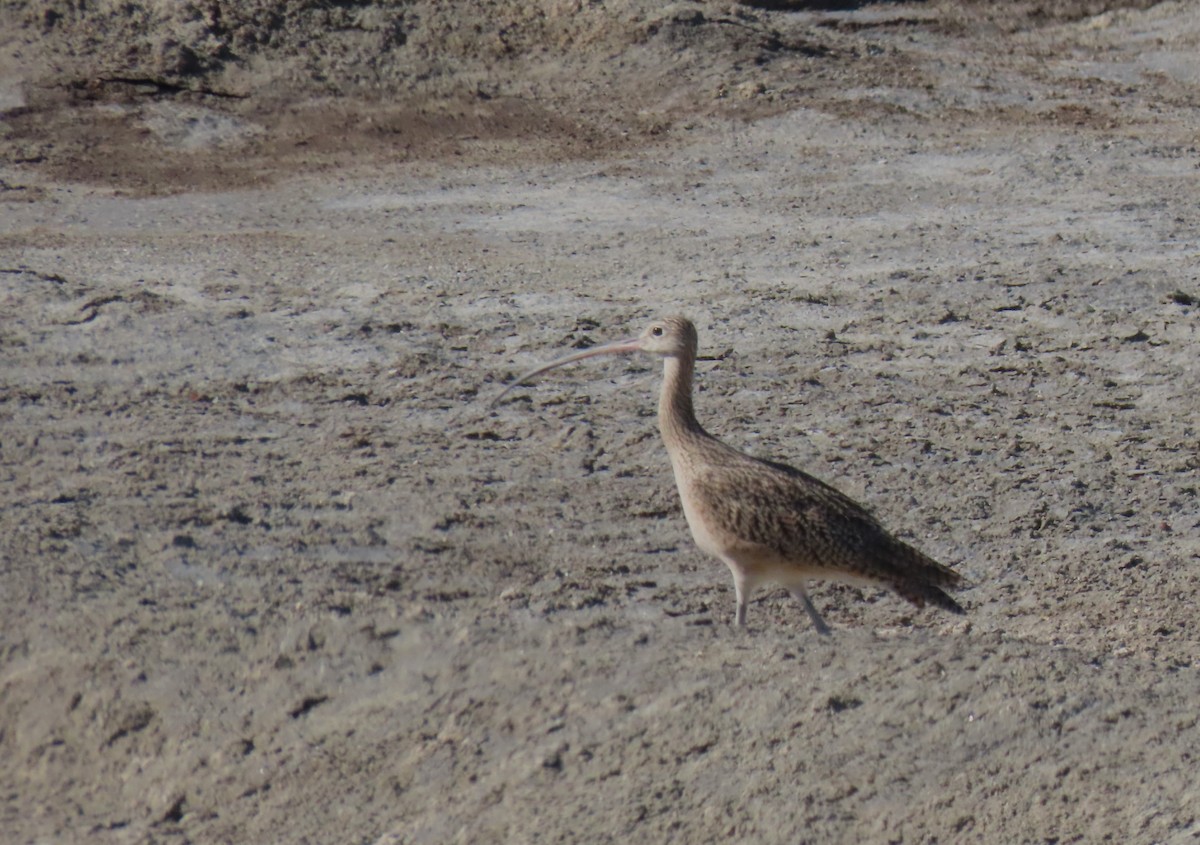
x,y
768,521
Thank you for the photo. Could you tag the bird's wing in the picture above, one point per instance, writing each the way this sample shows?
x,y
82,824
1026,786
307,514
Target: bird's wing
x,y
777,511
771,511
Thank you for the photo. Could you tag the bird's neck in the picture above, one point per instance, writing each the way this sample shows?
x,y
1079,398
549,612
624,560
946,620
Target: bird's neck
x,y
676,416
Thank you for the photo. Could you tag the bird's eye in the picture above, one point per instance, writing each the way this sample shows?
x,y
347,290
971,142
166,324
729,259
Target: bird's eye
x,y
657,331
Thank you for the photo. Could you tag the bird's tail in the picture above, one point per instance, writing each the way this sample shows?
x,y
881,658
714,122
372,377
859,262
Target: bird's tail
x,y
921,579
920,594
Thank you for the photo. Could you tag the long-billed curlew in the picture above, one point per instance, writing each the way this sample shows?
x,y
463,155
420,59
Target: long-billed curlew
x,y
768,521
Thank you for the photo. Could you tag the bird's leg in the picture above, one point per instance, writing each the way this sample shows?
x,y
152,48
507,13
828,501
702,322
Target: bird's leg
x,y
739,589
821,627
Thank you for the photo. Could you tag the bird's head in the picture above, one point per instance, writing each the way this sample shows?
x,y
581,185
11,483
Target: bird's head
x,y
669,337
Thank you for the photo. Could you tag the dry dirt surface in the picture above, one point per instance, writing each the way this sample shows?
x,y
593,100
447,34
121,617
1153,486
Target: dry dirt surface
x,y
271,570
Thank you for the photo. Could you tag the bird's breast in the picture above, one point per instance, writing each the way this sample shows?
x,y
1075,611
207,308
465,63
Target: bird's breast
x,y
698,512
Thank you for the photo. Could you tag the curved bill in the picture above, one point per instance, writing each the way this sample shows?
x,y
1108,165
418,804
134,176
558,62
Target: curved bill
x,y
617,347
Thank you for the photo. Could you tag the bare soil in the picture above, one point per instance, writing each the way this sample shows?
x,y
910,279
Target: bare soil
x,y
271,570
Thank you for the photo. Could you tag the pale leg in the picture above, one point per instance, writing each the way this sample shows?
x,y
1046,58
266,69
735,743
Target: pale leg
x,y
821,627
739,589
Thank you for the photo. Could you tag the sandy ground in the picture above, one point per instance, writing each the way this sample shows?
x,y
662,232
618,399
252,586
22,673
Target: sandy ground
x,y
273,572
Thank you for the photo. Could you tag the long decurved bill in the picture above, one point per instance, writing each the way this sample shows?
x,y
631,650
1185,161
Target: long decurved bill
x,y
617,347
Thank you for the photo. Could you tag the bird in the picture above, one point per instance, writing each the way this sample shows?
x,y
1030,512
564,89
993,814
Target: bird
x,y
767,521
